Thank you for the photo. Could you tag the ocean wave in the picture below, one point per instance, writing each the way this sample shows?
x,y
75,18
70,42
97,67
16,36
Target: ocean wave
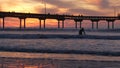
x,y
28,50
52,36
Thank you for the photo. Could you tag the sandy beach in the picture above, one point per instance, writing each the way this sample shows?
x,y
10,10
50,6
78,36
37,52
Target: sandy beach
x,y
55,63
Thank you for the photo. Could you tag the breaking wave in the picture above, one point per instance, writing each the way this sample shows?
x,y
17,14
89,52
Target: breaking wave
x,y
52,36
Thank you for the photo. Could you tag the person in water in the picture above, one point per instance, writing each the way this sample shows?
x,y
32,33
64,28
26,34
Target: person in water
x,y
81,31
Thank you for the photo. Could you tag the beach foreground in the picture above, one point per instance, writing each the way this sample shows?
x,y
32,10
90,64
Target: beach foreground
x,y
55,63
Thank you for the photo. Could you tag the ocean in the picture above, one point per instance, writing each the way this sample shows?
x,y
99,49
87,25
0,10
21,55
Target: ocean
x,y
59,48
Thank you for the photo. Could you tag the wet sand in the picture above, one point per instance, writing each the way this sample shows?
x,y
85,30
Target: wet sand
x,y
56,63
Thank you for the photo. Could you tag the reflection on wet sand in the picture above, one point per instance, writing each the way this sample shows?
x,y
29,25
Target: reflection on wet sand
x,y
25,63
56,63
39,60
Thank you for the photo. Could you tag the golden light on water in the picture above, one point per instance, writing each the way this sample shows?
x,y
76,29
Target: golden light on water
x,y
31,66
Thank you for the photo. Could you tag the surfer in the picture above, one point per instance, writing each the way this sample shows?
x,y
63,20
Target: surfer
x,y
81,31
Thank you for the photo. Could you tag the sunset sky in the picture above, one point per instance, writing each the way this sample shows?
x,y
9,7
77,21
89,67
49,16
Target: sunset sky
x,y
75,7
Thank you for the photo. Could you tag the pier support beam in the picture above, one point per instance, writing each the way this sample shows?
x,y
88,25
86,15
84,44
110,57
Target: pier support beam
x,y
80,24
40,23
3,23
95,21
97,25
76,24
110,21
62,23
112,24
24,23
58,24
20,23
44,24
92,24
108,25
0,23
42,20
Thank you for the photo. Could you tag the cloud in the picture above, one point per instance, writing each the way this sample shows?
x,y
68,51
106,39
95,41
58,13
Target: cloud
x,y
60,3
18,5
87,12
104,4
87,7
114,2
94,2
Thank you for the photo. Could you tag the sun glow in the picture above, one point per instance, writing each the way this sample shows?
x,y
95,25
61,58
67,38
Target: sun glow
x,y
31,66
20,8
90,7
62,10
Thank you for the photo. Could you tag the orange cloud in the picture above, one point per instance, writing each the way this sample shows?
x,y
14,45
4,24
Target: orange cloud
x,y
62,10
96,2
19,6
114,3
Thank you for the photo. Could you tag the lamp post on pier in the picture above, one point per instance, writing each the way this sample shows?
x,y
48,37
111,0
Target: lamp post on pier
x,y
45,6
44,2
114,11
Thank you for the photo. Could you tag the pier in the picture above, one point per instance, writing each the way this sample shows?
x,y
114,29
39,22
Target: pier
x,y
60,18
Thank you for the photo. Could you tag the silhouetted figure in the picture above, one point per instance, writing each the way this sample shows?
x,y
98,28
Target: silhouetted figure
x,y
81,31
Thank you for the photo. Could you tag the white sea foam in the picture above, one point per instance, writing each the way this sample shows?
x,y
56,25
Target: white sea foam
x,y
89,43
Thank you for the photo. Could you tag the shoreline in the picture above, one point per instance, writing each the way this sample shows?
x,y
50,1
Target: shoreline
x,y
59,36
28,50
53,56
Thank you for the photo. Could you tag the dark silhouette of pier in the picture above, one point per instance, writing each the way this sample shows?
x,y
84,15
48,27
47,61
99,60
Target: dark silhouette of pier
x,y
59,18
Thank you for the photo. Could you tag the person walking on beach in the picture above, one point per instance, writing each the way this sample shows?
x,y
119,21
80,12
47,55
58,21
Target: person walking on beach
x,y
81,31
